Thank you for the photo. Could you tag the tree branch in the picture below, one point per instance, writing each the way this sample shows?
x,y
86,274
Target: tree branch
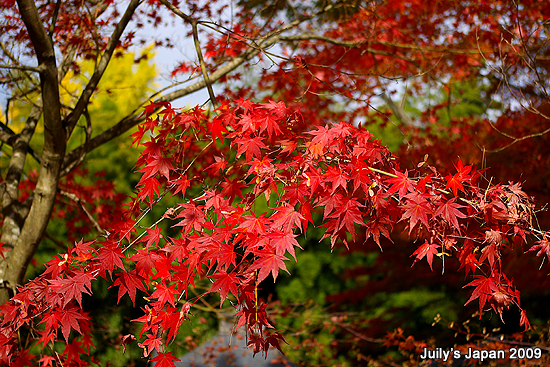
x,y
76,199
178,12
133,119
197,43
71,120
54,18
70,167
350,44
14,60
8,137
203,65
21,67
398,110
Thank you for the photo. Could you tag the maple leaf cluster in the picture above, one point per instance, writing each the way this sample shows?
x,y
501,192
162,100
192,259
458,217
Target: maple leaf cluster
x,y
252,152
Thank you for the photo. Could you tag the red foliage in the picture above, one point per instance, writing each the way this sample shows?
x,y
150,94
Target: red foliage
x,y
221,164
226,241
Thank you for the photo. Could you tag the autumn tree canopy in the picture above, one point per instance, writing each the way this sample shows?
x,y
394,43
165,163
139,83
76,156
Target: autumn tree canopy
x,y
295,91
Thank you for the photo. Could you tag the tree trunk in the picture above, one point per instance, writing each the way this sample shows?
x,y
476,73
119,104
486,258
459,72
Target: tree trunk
x,y
23,228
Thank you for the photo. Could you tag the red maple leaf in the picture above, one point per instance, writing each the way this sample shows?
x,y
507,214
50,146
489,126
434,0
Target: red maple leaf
x,y
73,286
73,351
286,218
543,247
282,242
337,178
152,343
225,283
455,183
216,248
267,262
157,163
524,321
150,108
165,360
232,188
427,250
250,146
287,145
138,135
274,340
463,171
149,189
83,250
193,218
490,252
219,164
322,136
468,261
145,260
253,224
378,227
484,288
129,283
153,236
70,319
46,361
450,212
50,330
257,343
295,193
401,184
245,104
164,294
416,211
347,214
110,256
306,209
216,128
248,123
177,250
181,184
277,108
24,359
270,123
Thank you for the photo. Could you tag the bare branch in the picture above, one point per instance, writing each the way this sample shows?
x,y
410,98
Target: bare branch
x,y
178,12
81,205
196,41
54,18
132,120
203,65
21,67
398,110
356,44
71,120
82,156
66,62
515,140
8,136
15,61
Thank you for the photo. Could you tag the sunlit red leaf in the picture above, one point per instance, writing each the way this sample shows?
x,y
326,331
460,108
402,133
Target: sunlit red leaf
x,y
426,250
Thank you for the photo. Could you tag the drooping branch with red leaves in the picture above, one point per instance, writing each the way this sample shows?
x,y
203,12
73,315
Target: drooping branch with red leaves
x,y
261,151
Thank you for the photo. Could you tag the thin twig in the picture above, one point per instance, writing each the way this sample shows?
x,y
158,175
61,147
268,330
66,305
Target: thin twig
x,y
21,67
90,217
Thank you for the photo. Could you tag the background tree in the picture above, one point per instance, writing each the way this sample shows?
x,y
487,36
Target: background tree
x,y
336,61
